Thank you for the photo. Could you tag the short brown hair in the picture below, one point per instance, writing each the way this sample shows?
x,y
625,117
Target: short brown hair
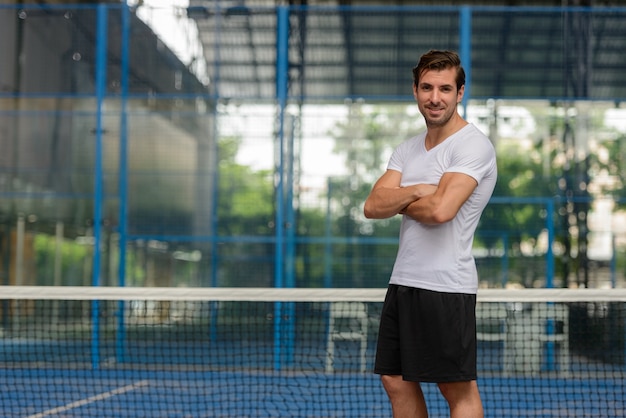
x,y
439,60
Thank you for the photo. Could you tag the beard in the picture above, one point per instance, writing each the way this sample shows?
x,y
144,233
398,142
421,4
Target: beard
x,y
439,120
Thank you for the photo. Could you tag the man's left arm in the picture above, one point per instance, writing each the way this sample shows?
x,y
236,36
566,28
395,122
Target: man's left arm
x,y
442,206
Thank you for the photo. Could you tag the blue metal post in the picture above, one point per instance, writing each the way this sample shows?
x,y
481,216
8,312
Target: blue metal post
x,y
465,52
281,97
123,180
101,68
282,67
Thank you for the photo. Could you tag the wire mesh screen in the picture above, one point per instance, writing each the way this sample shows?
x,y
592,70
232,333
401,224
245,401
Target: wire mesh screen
x,y
245,161
296,352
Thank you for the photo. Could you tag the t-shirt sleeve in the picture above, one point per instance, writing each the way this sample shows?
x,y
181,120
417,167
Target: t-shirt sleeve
x,y
397,158
474,156
403,151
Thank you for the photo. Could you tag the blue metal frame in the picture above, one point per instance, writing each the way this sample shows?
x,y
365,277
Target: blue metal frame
x,y
284,238
282,80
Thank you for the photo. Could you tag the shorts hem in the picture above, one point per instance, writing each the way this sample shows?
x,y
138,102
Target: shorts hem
x,y
387,372
447,379
426,379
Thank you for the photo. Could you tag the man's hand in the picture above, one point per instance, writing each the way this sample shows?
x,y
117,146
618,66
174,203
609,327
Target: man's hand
x,y
388,199
444,203
421,190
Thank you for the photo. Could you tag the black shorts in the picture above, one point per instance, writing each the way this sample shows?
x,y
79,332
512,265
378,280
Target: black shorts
x,y
427,336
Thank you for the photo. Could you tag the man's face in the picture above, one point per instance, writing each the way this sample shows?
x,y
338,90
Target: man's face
x,y
437,96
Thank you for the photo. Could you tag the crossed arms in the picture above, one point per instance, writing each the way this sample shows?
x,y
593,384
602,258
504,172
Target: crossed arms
x,y
426,203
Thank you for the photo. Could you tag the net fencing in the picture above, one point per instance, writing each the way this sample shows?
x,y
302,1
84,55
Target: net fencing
x,y
262,352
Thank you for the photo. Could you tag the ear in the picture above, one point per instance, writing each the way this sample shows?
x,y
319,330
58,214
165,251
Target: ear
x,y
460,93
414,91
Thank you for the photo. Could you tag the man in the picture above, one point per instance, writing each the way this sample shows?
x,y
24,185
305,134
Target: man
x,y
439,181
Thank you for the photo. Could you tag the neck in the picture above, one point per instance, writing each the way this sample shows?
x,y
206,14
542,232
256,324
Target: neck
x,y
436,134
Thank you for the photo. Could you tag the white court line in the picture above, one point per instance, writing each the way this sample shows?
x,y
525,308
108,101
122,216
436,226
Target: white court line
x,y
91,399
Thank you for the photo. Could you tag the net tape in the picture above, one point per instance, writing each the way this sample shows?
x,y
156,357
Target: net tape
x,y
265,294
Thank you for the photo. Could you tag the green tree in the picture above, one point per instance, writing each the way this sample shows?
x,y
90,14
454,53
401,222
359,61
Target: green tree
x,y
245,225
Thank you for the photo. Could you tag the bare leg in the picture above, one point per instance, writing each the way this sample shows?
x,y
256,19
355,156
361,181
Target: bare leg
x,y
407,398
463,399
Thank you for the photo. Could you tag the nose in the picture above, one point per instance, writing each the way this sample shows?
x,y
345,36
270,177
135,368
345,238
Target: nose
x,y
434,96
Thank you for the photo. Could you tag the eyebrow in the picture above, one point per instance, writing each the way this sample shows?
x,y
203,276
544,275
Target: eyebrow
x,y
425,84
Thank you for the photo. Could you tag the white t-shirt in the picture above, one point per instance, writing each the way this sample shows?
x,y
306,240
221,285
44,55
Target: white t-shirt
x,y
439,257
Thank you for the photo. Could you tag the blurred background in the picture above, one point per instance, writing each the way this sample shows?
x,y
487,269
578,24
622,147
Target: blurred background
x,y
232,143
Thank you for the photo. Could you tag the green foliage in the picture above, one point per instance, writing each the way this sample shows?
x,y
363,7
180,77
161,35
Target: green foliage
x,y
245,208
610,163
75,262
246,197
73,258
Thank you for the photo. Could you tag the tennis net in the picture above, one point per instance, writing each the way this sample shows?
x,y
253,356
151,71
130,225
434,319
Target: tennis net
x,y
242,352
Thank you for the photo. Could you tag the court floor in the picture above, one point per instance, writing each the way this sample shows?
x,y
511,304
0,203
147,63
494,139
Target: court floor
x,y
158,393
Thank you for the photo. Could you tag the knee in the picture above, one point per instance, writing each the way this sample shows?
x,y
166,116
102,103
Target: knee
x,y
391,383
457,393
463,399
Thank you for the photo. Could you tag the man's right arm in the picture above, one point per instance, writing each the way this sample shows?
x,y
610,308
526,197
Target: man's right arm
x,y
388,199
